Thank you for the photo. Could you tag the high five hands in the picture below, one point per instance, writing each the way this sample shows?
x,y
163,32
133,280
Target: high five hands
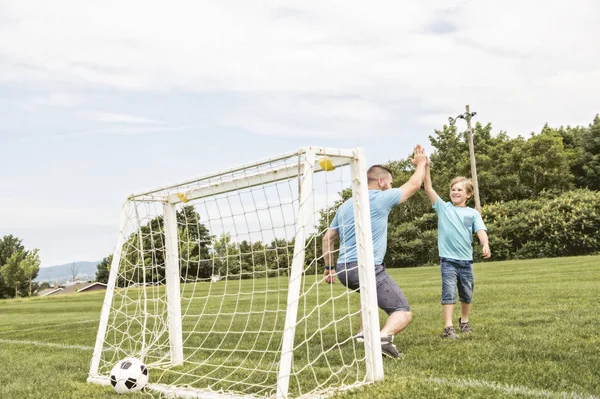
x,y
419,156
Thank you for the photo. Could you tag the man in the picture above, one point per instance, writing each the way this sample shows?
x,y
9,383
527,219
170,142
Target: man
x,y
382,198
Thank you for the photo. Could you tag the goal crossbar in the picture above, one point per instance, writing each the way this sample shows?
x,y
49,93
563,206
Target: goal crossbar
x,y
338,157
249,181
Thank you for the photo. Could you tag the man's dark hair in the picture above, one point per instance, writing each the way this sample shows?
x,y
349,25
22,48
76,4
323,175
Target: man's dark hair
x,y
377,171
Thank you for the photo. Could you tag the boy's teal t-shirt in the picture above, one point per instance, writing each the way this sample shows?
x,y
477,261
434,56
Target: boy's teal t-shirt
x,y
456,226
380,204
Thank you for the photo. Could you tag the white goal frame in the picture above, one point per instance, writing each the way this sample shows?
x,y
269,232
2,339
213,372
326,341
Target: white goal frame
x,y
304,172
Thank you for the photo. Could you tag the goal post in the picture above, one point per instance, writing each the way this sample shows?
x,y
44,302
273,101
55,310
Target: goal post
x,y
172,277
268,326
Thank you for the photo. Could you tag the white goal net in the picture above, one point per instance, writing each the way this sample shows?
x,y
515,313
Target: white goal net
x,y
216,283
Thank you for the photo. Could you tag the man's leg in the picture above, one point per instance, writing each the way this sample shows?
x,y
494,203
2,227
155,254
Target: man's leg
x,y
396,322
391,299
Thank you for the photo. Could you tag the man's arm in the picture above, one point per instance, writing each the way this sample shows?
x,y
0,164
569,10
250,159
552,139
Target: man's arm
x,y
329,240
483,239
416,180
427,183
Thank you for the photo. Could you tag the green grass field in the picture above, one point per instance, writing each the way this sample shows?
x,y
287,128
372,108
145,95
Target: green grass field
x,y
536,334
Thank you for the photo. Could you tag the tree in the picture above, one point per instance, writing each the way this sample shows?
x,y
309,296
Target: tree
x,y
8,245
103,269
545,164
591,155
509,168
74,271
13,273
226,257
451,156
31,268
194,243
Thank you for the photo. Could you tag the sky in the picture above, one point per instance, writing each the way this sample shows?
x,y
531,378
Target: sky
x,y
99,100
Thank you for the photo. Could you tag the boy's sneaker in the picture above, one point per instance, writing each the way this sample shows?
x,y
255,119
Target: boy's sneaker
x,y
464,327
360,337
450,332
388,348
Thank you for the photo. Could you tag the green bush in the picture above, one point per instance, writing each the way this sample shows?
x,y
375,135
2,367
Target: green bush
x,y
565,225
413,243
552,225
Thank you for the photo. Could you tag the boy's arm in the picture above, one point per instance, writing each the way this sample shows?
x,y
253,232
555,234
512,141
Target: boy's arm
x,y
416,180
328,247
428,186
483,239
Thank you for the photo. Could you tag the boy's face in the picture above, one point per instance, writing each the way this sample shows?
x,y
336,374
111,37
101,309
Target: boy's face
x,y
458,194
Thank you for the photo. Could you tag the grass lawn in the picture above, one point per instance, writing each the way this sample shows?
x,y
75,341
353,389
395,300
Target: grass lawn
x,y
536,334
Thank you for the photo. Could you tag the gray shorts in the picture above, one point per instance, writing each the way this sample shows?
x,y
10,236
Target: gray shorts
x,y
390,297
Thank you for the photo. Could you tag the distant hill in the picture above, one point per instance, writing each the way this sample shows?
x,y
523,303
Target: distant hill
x,y
62,273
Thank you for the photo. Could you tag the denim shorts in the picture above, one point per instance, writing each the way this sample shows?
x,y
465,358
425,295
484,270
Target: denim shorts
x,y
390,297
456,273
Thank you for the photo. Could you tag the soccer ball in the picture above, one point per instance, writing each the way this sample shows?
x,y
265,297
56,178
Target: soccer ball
x,y
129,375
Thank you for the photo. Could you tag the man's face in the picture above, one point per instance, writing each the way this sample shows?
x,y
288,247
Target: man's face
x,y
385,183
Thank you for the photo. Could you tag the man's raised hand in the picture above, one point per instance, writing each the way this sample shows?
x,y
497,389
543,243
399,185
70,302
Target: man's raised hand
x,y
419,155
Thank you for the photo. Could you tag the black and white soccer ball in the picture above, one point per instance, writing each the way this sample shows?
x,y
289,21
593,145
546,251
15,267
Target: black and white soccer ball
x,y
129,375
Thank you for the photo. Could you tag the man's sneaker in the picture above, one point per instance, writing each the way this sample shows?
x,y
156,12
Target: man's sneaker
x,y
360,337
464,327
450,332
388,348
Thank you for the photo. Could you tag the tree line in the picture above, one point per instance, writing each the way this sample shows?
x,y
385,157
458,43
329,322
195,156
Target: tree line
x,y
539,194
547,183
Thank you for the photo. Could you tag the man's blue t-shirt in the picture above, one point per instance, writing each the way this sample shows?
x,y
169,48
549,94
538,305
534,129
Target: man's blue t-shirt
x,y
456,225
381,203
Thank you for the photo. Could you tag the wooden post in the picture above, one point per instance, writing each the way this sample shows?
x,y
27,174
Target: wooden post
x,y
472,157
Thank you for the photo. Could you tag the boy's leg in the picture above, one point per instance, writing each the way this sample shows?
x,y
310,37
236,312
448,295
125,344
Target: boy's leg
x,y
449,278
465,293
465,308
448,309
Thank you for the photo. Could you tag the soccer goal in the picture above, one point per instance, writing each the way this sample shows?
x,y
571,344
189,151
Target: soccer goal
x,y
216,283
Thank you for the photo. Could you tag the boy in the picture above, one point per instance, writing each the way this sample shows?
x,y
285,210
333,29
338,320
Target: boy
x,y
456,225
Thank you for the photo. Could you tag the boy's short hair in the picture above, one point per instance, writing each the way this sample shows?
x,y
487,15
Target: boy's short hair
x,y
467,183
377,171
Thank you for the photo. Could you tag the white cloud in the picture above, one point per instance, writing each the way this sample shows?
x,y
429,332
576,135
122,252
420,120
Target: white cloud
x,y
55,99
113,131
29,214
281,115
110,117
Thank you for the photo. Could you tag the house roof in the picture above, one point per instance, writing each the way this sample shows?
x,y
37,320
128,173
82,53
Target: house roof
x,y
79,287
49,291
90,285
